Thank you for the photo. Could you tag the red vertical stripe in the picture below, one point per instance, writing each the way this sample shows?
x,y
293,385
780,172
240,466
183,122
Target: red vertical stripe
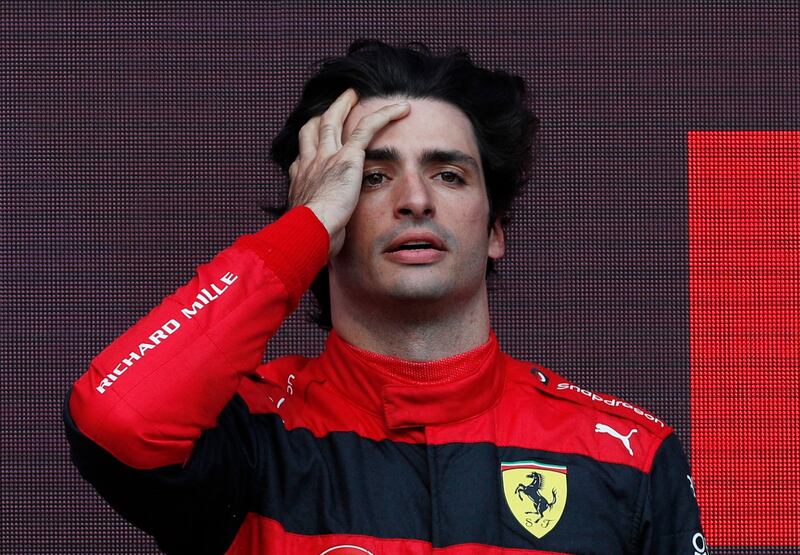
x,y
744,254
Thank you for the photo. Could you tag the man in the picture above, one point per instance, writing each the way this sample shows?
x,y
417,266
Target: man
x,y
412,432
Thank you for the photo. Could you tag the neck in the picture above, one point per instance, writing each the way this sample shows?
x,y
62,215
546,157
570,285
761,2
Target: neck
x,y
421,331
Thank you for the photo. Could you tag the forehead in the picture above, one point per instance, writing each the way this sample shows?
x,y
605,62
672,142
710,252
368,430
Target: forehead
x,y
430,124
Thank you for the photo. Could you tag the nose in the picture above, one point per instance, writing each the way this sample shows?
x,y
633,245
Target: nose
x,y
413,198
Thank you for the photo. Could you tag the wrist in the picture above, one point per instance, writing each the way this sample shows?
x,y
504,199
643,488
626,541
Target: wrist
x,y
322,216
295,247
334,229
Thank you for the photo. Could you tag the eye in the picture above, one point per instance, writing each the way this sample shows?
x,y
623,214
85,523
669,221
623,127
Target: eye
x,y
373,179
451,177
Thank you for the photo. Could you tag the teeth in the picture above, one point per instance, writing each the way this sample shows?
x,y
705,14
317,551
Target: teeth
x,y
415,246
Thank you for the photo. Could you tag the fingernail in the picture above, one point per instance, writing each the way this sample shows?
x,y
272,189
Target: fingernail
x,y
403,103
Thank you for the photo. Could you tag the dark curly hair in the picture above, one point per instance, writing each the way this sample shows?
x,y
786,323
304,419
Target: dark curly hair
x,y
493,101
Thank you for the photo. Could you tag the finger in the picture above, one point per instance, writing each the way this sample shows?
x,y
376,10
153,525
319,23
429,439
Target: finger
x,y
308,139
374,122
293,169
332,121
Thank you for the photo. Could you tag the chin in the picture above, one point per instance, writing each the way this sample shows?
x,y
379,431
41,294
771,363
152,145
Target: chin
x,y
419,290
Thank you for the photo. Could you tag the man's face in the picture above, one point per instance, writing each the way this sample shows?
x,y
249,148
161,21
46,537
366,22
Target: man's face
x,y
420,231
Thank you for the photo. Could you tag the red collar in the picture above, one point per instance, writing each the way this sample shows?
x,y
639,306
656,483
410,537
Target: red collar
x,y
409,393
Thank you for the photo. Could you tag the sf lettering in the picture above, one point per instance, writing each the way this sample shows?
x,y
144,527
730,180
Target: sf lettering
x,y
542,522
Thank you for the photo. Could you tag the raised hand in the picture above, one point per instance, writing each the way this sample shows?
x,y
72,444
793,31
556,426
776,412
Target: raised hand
x,y
326,176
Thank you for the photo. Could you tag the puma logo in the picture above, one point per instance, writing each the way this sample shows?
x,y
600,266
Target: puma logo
x,y
626,440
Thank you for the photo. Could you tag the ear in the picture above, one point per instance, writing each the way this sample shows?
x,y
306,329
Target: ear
x,y
497,241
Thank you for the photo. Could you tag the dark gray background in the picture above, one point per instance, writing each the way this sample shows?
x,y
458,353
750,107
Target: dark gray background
x,y
134,147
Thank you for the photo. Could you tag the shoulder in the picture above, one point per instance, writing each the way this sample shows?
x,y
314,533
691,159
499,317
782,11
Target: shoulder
x,y
554,384
581,400
593,423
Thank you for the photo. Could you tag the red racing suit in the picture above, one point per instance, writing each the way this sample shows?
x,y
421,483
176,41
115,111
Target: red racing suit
x,y
182,430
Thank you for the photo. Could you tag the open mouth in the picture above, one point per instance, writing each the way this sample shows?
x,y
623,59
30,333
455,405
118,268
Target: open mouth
x,y
417,248
416,241
413,246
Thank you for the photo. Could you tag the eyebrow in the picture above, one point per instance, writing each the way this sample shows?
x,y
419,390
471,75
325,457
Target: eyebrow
x,y
391,154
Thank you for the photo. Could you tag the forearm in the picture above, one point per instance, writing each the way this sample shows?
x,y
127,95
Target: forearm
x,y
147,397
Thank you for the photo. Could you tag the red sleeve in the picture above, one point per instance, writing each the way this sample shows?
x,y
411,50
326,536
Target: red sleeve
x,y
148,395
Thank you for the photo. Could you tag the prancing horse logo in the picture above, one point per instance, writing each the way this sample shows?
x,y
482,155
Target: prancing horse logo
x,y
540,504
626,440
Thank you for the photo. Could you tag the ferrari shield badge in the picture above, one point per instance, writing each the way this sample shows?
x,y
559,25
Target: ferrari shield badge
x,y
536,493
